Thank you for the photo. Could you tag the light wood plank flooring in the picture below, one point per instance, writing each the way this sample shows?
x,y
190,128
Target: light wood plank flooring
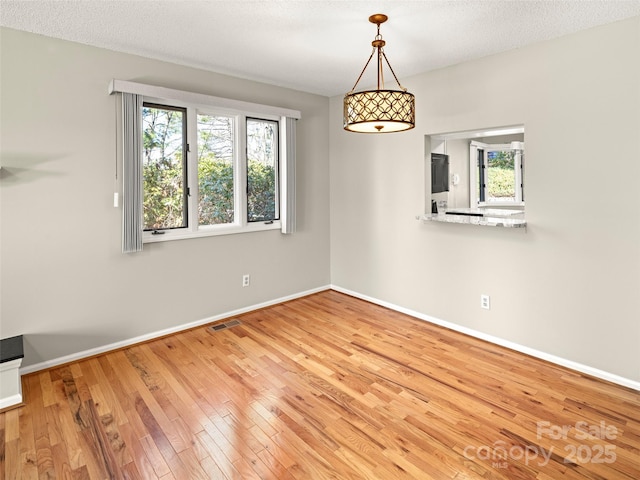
x,y
322,387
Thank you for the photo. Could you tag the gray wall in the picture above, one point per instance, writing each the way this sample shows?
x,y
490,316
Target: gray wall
x,y
65,284
569,285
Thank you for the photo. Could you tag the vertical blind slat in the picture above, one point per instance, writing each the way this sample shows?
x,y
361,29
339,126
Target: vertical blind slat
x,y
131,173
289,181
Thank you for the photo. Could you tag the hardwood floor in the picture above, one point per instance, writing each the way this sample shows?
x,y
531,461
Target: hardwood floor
x,y
322,387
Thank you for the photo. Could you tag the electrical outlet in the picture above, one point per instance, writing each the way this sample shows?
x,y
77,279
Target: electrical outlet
x,y
485,302
246,280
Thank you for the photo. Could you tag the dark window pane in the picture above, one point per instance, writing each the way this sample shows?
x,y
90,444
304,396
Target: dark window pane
x,y
262,170
164,171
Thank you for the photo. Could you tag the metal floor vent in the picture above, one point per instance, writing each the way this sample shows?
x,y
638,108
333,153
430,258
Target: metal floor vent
x,y
224,325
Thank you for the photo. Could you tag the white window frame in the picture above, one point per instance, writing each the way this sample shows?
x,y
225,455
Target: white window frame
x,y
281,125
473,177
240,223
240,111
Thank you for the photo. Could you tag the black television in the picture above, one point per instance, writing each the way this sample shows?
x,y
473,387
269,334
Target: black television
x,y
439,173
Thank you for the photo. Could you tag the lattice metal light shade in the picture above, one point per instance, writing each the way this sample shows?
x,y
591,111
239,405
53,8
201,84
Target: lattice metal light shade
x,y
381,110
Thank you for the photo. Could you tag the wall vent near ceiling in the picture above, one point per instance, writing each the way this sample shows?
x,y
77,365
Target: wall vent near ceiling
x,y
224,325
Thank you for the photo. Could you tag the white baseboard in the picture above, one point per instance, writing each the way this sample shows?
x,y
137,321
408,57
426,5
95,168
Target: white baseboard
x,y
626,382
161,333
570,364
11,401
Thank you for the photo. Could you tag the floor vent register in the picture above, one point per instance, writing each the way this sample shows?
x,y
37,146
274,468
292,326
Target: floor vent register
x,y
224,325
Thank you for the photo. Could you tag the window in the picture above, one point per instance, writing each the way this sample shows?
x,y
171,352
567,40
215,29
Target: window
x,y
498,173
221,177
164,167
197,165
262,170
216,153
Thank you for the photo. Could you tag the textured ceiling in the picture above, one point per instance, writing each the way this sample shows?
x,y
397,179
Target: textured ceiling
x,y
310,45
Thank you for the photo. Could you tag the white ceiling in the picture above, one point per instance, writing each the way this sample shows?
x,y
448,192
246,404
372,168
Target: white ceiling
x,y
318,46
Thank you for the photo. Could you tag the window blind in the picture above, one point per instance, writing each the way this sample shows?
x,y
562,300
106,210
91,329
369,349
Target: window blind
x,y
131,173
289,177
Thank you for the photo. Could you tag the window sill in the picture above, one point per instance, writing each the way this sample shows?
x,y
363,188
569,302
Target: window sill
x,y
212,231
500,204
475,220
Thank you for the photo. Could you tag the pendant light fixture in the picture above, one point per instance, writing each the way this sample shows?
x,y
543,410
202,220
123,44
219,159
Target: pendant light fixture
x,y
380,110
